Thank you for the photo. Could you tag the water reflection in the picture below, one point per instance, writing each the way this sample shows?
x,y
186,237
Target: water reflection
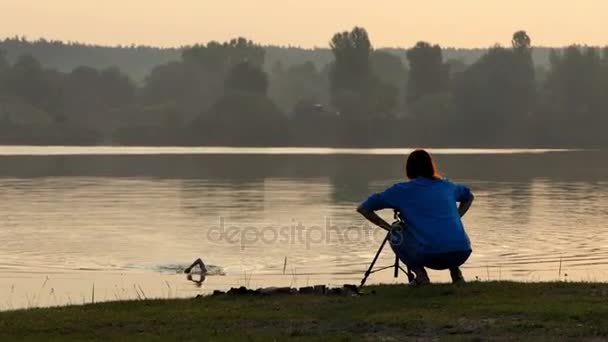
x,y
197,279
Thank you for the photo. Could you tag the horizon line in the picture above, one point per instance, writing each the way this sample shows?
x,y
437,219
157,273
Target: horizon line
x,y
26,39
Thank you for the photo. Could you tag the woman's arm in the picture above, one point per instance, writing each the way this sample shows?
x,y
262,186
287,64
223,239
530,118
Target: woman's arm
x,y
463,207
373,218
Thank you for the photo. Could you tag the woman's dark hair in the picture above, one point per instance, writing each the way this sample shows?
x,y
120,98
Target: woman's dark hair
x,y
421,164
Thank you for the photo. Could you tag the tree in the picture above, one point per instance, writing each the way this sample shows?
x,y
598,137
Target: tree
x,y
173,82
28,80
390,71
521,41
495,96
3,62
222,57
243,115
197,81
244,119
524,80
427,74
352,52
355,90
298,83
389,68
247,78
89,91
4,67
574,96
351,72
81,92
456,66
567,83
117,87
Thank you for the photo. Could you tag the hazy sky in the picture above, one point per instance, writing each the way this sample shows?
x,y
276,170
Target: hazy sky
x,y
308,23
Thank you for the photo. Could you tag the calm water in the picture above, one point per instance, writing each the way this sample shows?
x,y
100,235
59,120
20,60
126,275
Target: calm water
x,y
116,223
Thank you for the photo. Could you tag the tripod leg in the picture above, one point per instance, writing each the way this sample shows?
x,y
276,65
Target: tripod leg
x,y
371,267
396,266
408,271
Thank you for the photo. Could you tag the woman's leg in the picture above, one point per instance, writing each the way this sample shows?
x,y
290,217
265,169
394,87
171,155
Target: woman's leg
x,y
450,260
456,275
406,248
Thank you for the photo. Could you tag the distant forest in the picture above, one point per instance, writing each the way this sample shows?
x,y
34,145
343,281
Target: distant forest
x,y
138,61
240,93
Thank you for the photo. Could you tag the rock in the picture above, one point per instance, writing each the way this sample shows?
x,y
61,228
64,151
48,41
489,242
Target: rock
x,y
351,290
307,290
276,290
239,291
336,291
266,290
320,289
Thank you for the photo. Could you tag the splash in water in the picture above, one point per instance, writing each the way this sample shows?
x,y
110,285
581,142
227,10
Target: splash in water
x,y
212,270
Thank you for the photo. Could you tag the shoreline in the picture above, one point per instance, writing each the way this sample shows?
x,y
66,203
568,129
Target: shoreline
x,y
508,310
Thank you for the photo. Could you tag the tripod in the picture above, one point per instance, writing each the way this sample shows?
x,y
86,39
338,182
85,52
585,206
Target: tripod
x,y
397,266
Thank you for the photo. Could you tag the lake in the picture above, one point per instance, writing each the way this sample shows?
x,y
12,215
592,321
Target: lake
x,y
82,224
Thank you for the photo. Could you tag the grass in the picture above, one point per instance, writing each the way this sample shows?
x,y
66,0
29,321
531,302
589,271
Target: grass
x,y
478,310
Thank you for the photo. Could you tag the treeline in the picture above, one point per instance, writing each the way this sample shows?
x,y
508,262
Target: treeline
x,y
137,61
228,94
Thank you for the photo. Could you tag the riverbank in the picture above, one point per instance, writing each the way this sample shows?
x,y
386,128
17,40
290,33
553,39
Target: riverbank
x,y
390,312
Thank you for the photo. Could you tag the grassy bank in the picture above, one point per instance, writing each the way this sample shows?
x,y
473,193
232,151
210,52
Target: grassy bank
x,y
497,309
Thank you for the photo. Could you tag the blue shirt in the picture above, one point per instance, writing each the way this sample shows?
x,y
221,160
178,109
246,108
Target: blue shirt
x,y
428,207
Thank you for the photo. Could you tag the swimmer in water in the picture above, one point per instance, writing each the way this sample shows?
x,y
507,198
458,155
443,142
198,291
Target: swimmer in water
x,y
198,262
201,277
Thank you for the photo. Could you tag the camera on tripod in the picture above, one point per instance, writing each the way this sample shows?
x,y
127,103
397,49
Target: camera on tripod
x,y
398,226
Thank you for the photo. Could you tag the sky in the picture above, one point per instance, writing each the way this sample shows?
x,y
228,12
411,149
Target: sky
x,y
307,23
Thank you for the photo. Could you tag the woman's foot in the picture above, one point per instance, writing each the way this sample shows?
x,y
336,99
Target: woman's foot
x,y
422,278
420,281
456,275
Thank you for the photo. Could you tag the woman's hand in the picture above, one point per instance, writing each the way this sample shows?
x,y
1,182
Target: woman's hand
x,y
463,207
373,218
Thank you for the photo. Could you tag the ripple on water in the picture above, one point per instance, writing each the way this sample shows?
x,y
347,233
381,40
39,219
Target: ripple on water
x,y
212,270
